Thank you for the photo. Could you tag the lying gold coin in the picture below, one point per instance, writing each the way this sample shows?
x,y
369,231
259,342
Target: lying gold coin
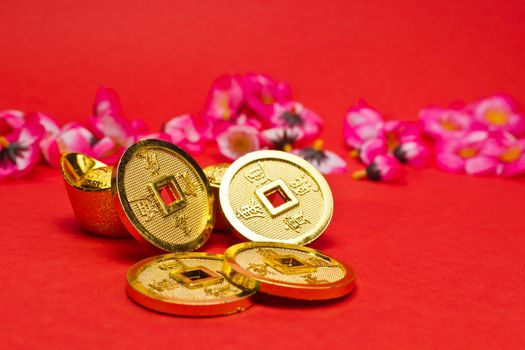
x,y
162,196
214,174
88,185
188,284
276,196
287,270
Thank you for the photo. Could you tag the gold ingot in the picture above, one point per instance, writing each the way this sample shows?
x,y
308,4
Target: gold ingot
x,y
214,174
187,284
287,270
88,185
163,197
274,196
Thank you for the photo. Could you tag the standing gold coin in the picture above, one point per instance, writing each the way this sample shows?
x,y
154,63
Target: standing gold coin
x,y
188,284
88,185
287,270
162,196
214,174
277,197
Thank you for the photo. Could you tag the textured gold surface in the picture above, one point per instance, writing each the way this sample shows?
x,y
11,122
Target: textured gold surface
x,y
287,270
214,174
250,180
143,171
88,184
171,283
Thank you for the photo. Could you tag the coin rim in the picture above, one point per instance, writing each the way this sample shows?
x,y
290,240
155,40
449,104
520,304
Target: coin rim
x,y
302,291
243,230
123,207
144,297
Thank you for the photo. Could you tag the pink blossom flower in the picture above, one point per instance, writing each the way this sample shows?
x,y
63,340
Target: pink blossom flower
x,y
51,129
282,139
107,102
19,138
263,94
466,155
372,148
498,113
295,116
383,168
398,131
440,122
72,138
326,162
508,151
414,153
238,140
225,99
361,114
213,129
184,133
362,123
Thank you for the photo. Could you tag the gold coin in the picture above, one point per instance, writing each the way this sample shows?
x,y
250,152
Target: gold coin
x,y
88,185
277,197
214,174
188,284
287,270
162,196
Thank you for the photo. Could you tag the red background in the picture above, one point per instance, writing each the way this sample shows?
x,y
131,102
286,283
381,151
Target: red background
x,y
439,258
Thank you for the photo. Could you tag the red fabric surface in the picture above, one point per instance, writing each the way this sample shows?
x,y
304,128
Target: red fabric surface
x,y
439,257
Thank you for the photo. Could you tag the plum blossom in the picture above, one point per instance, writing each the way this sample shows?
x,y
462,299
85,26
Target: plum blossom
x,y
372,148
238,140
325,161
465,155
183,132
297,118
72,138
399,131
282,139
263,94
498,113
508,151
19,138
414,153
362,123
440,122
384,167
225,99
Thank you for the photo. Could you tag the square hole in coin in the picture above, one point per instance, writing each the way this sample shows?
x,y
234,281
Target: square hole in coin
x,y
277,197
169,194
290,262
195,275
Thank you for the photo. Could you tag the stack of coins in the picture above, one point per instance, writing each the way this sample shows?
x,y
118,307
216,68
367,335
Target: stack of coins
x,y
275,201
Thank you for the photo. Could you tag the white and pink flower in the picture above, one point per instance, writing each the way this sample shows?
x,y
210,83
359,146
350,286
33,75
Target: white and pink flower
x,y
362,123
441,123
458,155
264,95
19,143
325,161
384,167
498,113
225,99
238,140
297,118
183,132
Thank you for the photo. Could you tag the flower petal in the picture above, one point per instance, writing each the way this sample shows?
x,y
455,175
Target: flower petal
x,y
481,166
